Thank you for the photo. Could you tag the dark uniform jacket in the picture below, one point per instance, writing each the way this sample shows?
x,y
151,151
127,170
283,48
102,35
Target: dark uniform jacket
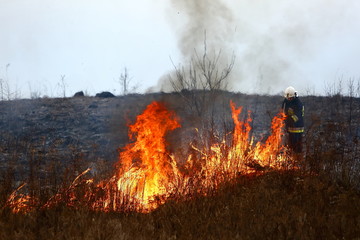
x,y
294,110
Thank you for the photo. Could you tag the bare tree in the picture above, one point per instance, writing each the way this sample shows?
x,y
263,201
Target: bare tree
x,y
352,95
62,85
2,84
125,82
34,94
201,81
7,87
6,92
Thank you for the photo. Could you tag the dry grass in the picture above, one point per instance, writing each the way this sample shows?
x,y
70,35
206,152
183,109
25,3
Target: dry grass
x,y
320,201
276,205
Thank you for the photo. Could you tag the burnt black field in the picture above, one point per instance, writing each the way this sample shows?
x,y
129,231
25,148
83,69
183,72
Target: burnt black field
x,y
47,142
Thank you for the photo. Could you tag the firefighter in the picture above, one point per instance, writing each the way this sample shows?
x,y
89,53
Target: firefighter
x,y
294,121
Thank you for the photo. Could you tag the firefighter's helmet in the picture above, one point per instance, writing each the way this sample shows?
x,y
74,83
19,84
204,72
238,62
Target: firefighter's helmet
x,y
290,92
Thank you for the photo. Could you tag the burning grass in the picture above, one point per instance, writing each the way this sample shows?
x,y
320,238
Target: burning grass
x,y
147,174
275,205
232,188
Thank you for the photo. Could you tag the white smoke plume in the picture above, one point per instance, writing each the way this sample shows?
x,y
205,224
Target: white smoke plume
x,y
276,43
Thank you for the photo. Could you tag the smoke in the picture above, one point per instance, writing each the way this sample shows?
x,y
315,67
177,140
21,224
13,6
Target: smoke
x,y
214,18
200,24
276,44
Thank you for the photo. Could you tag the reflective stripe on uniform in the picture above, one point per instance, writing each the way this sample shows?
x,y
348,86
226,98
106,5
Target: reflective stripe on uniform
x,y
295,118
296,130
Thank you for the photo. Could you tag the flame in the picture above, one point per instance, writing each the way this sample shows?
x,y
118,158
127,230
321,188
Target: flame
x,y
147,174
226,161
241,132
146,167
269,152
19,203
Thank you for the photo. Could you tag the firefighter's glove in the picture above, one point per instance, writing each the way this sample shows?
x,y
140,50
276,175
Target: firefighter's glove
x,y
290,111
295,118
292,114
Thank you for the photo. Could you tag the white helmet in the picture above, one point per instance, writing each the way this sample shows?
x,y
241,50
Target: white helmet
x,y
290,92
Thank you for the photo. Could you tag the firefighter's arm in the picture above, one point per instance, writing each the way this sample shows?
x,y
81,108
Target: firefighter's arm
x,y
292,115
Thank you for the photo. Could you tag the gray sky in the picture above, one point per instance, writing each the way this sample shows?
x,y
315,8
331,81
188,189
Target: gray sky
x,y
309,44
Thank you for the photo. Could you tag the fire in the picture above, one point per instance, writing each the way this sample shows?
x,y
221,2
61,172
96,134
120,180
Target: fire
x,y
268,153
19,202
147,174
146,168
225,161
241,132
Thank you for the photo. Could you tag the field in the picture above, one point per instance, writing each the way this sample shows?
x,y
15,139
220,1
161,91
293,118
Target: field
x,y
47,143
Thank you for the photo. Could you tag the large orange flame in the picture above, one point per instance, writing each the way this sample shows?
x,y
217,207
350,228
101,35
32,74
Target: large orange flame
x,y
146,170
269,152
147,174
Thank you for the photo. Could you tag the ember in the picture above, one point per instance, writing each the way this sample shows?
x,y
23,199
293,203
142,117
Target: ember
x,y
147,174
